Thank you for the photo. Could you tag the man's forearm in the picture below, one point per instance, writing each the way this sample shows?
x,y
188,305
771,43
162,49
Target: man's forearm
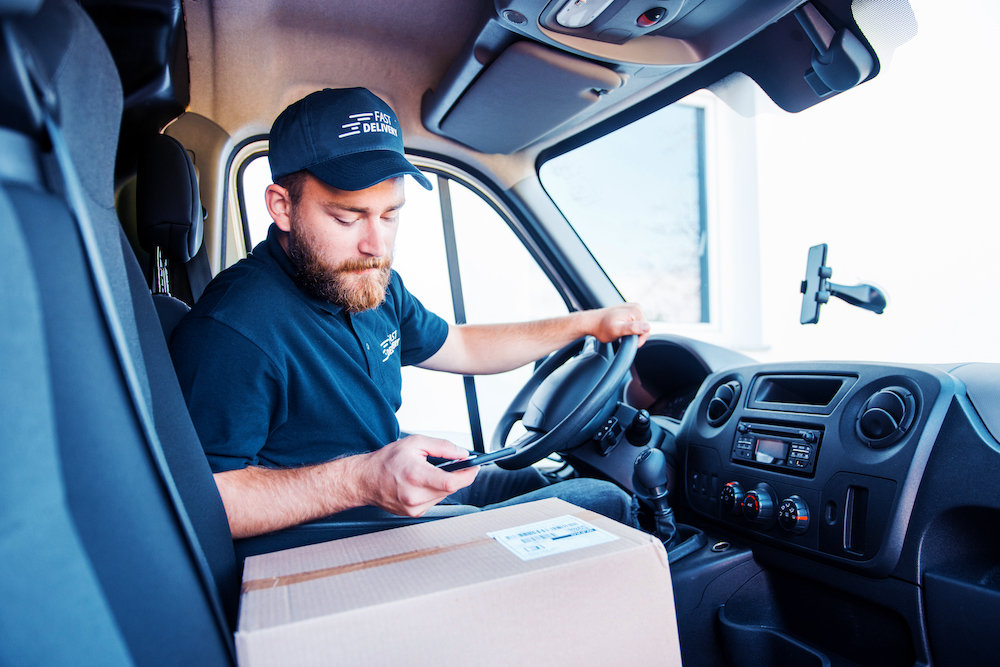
x,y
475,349
262,500
497,348
396,478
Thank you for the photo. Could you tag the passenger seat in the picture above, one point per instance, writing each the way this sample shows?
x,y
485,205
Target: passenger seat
x,y
115,543
170,223
52,607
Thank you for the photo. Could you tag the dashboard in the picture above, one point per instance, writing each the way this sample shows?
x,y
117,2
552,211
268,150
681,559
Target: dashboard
x,y
861,465
864,493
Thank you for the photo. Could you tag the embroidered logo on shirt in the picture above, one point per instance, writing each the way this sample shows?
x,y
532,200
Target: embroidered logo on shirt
x,y
389,345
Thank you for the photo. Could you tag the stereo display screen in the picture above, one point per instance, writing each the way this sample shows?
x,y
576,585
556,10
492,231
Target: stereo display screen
x,y
770,450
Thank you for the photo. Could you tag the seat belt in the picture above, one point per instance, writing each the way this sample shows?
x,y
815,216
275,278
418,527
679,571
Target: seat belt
x,y
199,273
458,303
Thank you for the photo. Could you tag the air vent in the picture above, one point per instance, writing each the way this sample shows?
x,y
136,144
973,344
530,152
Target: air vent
x,y
723,402
886,416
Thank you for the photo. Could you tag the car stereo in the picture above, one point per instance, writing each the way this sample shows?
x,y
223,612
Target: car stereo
x,y
780,448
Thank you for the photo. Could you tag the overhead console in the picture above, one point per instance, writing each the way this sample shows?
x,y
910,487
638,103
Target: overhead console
x,y
824,458
536,64
599,20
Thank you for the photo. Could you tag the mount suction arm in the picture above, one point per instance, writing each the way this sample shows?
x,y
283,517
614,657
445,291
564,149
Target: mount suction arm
x,y
868,297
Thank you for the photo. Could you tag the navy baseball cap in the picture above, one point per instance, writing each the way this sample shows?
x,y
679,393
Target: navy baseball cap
x,y
346,137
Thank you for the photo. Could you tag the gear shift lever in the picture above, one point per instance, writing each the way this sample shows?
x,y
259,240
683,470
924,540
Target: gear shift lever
x,y
650,471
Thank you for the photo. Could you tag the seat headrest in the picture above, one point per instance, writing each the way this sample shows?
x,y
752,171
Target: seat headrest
x,y
168,203
77,72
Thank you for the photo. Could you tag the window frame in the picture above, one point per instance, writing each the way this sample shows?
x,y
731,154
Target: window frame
x,y
512,215
705,259
732,228
243,155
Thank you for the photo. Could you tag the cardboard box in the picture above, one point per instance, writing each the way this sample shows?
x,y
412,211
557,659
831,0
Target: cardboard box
x,y
539,583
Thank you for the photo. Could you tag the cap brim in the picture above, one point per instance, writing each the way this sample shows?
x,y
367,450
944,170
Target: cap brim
x,y
365,169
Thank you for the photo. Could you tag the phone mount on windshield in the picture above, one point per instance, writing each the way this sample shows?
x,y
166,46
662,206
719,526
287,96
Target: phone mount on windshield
x,y
817,289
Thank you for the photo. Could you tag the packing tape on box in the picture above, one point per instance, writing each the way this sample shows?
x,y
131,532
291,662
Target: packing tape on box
x,y
299,577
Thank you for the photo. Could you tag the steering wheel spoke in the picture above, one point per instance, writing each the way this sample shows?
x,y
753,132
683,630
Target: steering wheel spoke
x,y
571,390
526,439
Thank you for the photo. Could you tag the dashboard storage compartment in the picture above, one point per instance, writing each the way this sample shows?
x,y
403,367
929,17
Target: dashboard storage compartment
x,y
780,620
962,613
761,645
495,587
818,394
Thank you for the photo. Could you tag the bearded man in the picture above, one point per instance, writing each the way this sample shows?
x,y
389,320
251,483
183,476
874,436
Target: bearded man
x,y
290,361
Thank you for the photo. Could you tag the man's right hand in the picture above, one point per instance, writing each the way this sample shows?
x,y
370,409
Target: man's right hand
x,y
397,478
400,480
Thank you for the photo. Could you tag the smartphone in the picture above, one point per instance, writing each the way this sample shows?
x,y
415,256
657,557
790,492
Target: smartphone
x,y
813,284
477,460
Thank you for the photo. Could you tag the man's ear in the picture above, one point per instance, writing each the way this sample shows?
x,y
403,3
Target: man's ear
x,y
279,205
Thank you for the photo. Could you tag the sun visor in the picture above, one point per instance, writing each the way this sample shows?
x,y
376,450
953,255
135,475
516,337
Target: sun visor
x,y
528,91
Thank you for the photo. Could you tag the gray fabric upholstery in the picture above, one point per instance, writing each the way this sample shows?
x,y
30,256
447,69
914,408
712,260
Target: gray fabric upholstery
x,y
85,81
46,582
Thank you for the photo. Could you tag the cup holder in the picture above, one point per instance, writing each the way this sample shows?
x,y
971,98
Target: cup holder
x,y
754,645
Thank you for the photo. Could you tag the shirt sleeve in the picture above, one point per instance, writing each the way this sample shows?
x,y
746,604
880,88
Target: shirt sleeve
x,y
234,391
422,333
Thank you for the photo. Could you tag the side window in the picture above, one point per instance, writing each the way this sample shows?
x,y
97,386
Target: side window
x,y
495,279
458,255
647,178
254,177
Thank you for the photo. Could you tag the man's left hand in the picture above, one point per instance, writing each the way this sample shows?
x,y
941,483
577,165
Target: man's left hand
x,y
617,321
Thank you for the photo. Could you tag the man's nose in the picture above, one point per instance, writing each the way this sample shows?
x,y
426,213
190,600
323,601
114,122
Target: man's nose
x,y
374,241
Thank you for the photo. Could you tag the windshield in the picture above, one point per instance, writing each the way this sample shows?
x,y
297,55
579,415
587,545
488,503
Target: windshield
x,y
897,176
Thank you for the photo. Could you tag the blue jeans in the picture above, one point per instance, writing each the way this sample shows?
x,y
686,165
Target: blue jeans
x,y
495,487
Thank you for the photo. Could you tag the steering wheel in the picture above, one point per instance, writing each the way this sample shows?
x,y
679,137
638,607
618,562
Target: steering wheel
x,y
565,400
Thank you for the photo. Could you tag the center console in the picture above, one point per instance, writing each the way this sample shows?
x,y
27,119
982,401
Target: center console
x,y
821,458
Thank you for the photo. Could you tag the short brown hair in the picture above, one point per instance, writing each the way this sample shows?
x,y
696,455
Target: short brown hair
x,y
294,183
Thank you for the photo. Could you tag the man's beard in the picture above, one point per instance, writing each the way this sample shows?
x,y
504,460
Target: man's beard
x,y
338,284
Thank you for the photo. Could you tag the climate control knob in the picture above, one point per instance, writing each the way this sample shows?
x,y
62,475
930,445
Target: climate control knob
x,y
732,498
759,505
793,515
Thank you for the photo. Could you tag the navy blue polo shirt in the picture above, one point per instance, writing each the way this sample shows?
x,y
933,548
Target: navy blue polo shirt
x,y
276,377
